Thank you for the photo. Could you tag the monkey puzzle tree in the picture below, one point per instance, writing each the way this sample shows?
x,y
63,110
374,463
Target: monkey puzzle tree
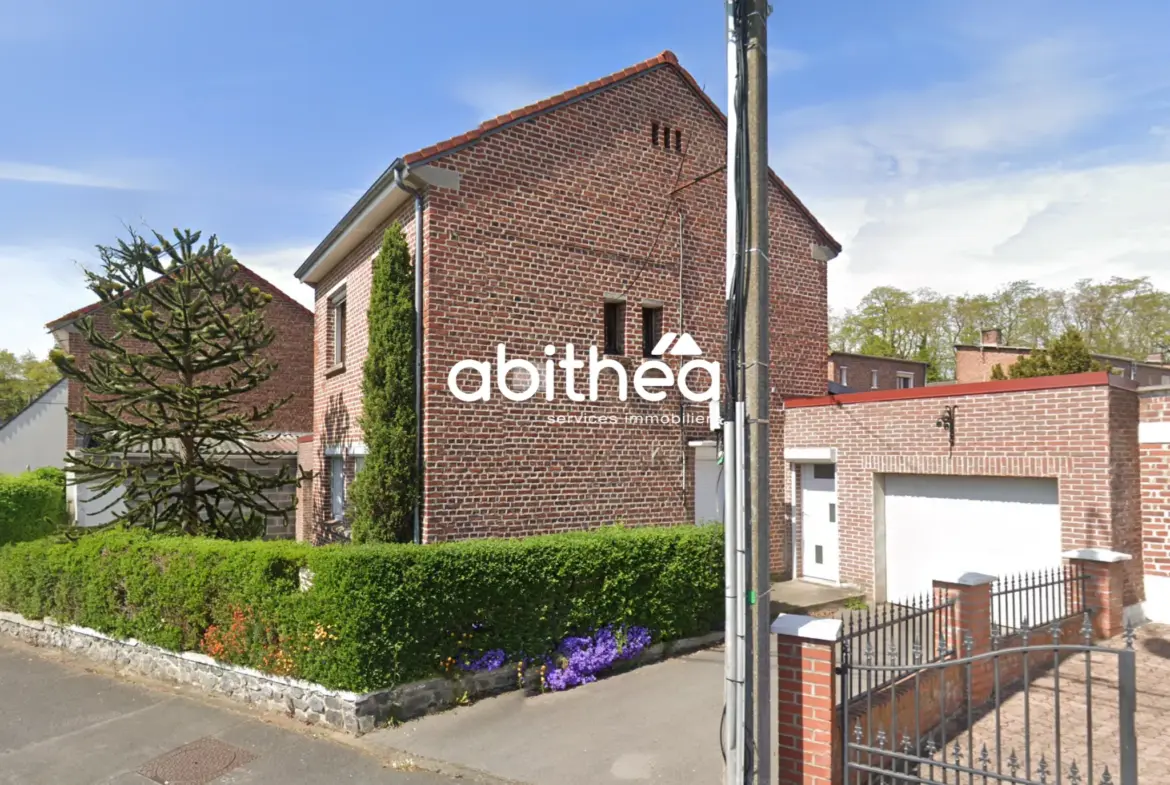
x,y
166,387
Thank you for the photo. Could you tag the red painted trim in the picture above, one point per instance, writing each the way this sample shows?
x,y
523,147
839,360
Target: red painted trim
x,y
1092,379
306,438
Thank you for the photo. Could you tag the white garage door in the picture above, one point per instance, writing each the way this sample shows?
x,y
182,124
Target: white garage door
x,y
941,526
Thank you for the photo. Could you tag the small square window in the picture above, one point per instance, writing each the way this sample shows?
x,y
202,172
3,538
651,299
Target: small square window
x,y
615,328
651,329
843,375
873,380
824,471
820,554
905,381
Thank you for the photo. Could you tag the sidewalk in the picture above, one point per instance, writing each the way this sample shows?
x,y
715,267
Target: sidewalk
x,y
655,724
63,724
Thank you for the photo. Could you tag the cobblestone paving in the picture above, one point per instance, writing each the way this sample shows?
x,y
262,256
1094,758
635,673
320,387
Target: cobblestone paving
x,y
1152,721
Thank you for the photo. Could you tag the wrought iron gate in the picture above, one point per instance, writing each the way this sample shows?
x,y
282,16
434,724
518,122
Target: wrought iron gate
x,y
1014,714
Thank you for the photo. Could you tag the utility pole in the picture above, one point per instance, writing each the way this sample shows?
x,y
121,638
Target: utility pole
x,y
757,358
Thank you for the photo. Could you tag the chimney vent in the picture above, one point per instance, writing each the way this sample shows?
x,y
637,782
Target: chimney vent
x,y
991,337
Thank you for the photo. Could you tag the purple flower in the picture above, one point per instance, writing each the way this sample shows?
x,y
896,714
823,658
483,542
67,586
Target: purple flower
x,y
580,659
488,661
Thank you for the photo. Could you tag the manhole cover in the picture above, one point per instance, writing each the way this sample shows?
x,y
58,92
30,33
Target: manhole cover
x,y
197,763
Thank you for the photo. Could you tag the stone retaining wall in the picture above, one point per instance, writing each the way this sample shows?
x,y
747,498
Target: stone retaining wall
x,y
312,703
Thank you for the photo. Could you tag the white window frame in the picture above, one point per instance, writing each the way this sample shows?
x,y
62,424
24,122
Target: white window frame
x,y
334,461
873,380
843,375
337,342
909,377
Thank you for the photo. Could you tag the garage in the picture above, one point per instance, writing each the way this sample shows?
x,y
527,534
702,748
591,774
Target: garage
x,y
942,525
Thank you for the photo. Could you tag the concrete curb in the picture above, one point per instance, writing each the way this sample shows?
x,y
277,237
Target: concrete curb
x,y
311,703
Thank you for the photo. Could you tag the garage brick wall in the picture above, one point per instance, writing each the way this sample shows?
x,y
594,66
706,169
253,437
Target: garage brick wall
x,y
1155,479
1081,430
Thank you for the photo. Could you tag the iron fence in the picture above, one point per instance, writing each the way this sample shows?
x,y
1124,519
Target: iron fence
x,y
1037,599
898,635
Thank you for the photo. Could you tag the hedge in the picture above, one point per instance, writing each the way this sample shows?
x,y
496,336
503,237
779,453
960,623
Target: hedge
x,y
32,504
375,615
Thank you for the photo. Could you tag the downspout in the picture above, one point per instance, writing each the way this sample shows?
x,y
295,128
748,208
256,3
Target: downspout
x,y
682,422
418,295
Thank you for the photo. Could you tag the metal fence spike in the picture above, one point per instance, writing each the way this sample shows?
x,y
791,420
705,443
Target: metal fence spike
x,y
984,758
892,651
1074,774
1087,628
994,636
931,748
916,649
943,648
957,753
881,739
906,744
867,655
1106,777
1055,632
1013,763
1129,634
856,728
1042,770
968,643
1025,630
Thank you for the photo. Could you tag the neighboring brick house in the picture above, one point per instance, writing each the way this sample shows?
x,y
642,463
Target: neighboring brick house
x,y
1038,467
597,218
1154,442
291,351
975,362
859,372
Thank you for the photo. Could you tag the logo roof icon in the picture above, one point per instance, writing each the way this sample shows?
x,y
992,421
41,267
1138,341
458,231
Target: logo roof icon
x,y
685,346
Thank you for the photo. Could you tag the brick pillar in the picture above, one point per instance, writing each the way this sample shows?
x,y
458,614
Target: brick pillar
x,y
968,628
1104,588
808,726
305,512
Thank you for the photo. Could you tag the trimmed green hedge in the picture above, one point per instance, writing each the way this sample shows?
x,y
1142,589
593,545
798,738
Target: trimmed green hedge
x,y
375,615
32,504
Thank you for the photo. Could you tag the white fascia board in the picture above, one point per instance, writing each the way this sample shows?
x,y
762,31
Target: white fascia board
x,y
810,454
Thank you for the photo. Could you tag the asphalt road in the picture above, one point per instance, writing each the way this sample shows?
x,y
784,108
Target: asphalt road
x,y
62,723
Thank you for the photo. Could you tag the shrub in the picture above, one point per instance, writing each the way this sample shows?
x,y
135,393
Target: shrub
x,y
375,615
32,505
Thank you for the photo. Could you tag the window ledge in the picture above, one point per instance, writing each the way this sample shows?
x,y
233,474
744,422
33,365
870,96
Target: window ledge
x,y
334,370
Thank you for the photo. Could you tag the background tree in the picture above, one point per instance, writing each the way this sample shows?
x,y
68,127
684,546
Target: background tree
x,y
167,385
22,379
383,495
1067,354
1127,317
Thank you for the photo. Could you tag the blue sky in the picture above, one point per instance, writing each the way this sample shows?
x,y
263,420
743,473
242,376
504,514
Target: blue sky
x,y
947,144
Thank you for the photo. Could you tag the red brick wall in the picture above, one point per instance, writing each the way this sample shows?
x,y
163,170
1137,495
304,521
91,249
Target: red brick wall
x,y
1083,436
338,400
861,368
552,215
1155,487
291,351
974,364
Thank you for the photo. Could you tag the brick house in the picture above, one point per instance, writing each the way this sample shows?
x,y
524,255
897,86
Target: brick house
x,y
884,500
975,362
858,372
291,350
594,218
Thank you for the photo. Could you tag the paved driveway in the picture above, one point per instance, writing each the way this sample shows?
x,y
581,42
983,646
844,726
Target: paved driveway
x,y
1152,648
63,724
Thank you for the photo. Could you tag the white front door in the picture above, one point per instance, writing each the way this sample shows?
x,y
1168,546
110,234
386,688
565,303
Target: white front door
x,y
818,504
708,485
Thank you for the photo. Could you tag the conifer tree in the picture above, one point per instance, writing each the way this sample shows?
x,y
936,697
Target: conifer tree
x,y
165,412
1067,354
383,495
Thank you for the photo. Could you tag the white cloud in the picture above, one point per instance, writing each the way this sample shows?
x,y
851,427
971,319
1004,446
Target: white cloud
x,y
492,96
1052,226
16,171
1043,164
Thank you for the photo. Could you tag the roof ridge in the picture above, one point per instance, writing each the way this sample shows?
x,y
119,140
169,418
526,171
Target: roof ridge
x,y
664,58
